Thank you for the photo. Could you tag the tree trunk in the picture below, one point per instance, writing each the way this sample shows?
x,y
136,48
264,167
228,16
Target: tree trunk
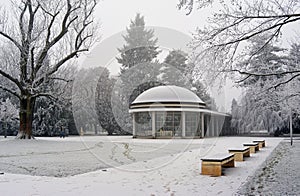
x,y
95,129
27,104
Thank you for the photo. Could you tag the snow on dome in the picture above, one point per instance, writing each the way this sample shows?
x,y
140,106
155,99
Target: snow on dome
x,y
167,94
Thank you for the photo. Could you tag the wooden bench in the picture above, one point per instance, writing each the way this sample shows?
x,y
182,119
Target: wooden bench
x,y
253,147
213,165
240,153
261,143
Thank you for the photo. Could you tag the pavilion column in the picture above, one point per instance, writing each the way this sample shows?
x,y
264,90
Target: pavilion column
x,y
208,119
153,123
217,126
202,125
207,125
183,123
133,125
212,126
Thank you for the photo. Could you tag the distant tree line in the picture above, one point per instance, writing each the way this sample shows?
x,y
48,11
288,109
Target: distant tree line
x,y
266,103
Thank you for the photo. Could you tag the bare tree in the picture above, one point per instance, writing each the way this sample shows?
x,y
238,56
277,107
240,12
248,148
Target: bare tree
x,y
44,35
234,24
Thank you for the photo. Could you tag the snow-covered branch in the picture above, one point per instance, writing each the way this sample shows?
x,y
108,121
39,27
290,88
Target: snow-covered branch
x,y
11,91
286,81
11,78
11,39
48,95
222,44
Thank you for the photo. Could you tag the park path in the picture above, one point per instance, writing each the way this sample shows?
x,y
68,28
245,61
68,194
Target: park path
x,y
279,175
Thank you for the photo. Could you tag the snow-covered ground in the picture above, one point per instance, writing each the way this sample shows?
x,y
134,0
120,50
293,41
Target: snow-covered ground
x,y
279,174
121,166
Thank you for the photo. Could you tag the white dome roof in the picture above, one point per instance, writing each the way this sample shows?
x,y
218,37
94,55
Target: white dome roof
x,y
167,94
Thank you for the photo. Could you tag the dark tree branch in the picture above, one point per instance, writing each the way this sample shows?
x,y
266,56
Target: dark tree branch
x,y
262,74
243,80
11,91
64,29
278,25
287,81
48,95
14,80
43,78
21,21
12,40
65,59
32,13
267,16
61,79
32,63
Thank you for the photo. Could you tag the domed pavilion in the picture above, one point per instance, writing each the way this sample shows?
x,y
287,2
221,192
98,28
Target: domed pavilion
x,y
172,111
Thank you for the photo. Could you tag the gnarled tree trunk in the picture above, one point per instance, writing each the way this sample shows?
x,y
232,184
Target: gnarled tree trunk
x,y
27,104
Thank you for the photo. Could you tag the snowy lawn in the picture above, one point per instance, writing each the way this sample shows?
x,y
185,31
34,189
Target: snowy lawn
x,y
280,173
121,166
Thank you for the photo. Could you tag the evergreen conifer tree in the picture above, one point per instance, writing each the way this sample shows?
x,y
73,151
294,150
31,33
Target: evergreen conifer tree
x,y
177,59
140,45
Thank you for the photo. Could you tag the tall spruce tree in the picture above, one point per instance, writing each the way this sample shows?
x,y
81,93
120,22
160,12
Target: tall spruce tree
x,y
140,50
140,45
174,69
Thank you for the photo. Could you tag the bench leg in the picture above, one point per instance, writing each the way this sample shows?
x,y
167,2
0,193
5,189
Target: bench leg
x,y
238,157
257,148
260,145
252,149
213,170
247,154
229,164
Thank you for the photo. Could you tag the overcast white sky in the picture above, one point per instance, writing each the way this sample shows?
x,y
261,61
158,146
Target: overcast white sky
x,y
115,15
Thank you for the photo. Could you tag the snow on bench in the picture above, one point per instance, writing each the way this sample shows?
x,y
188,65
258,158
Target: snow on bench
x,y
240,153
213,165
253,147
261,143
